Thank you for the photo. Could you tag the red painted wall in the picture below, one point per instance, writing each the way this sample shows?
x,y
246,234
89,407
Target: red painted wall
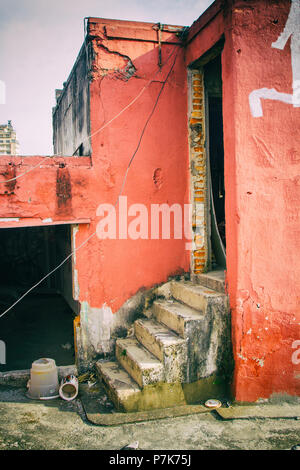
x,y
262,203
261,179
262,194
124,58
121,267
45,188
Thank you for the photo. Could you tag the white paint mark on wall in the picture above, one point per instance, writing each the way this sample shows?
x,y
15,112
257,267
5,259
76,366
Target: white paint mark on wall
x,y
76,285
74,231
260,362
9,219
291,30
98,323
2,352
242,357
47,221
296,354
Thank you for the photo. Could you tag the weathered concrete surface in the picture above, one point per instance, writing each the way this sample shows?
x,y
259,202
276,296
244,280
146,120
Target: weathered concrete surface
x,y
120,387
126,395
175,315
213,280
179,355
101,326
169,348
71,120
285,410
197,297
145,368
203,319
61,425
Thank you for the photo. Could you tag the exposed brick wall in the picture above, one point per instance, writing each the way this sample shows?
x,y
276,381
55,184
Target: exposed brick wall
x,y
198,164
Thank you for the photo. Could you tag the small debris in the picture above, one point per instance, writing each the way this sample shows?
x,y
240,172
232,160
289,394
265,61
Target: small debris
x,y
102,400
296,447
132,446
66,346
87,377
109,405
106,403
130,332
212,403
91,384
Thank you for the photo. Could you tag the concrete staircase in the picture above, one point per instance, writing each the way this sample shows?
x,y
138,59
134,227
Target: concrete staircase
x,y
177,350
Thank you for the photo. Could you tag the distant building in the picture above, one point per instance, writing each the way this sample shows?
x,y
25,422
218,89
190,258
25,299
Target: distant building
x,y
8,142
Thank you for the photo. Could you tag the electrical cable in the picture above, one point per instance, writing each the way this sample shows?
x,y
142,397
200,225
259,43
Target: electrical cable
x,y
98,130
118,197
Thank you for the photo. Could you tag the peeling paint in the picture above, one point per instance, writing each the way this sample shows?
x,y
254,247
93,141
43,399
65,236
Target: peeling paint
x,y
112,63
9,219
260,362
242,357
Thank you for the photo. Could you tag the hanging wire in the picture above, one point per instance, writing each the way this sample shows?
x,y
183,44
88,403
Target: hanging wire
x,y
98,130
120,192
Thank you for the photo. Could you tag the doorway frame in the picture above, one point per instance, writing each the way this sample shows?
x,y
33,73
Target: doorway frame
x,y
200,187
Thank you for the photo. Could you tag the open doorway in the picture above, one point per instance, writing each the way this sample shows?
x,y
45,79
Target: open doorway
x,y
213,95
41,324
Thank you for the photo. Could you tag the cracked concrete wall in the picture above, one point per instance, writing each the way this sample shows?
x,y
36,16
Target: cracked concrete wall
x,y
124,58
71,115
100,328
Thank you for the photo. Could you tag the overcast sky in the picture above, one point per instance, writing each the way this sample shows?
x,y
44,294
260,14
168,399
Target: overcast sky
x,y
39,42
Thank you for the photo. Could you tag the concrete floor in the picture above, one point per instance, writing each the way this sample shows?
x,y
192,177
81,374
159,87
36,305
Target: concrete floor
x,y
56,424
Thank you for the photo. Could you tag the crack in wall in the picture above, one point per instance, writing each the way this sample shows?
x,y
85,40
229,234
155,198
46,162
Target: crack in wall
x,y
118,65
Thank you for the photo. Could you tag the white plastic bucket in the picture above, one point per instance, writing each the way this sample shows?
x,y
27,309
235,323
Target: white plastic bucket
x,y
68,389
43,383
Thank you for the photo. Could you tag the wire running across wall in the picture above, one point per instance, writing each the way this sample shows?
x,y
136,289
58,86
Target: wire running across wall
x,y
124,178
101,128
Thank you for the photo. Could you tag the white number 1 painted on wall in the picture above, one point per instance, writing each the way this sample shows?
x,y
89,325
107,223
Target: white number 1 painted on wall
x,y
291,29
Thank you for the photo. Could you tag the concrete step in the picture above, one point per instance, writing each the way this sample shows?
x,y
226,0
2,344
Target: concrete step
x,y
143,366
167,346
175,315
122,390
127,396
195,296
214,280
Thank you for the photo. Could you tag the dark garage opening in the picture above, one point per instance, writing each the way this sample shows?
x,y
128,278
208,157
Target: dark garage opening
x,y
41,324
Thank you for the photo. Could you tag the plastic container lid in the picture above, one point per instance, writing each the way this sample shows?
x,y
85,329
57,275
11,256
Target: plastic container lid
x,y
212,403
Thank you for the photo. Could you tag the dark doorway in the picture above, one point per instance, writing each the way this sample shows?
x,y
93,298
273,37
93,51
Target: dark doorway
x,y
41,324
213,88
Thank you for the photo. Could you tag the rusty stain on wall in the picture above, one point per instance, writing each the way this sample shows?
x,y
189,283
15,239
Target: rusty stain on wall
x,y
9,173
63,191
